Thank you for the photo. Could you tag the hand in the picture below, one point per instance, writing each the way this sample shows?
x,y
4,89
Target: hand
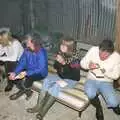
x,y
103,70
62,83
11,76
93,65
60,59
21,75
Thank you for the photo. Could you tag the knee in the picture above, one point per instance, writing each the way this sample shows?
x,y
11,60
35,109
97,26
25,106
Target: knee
x,y
90,94
46,84
112,102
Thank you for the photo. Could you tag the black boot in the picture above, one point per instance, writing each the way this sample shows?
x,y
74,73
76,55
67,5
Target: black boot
x,y
117,110
99,111
28,93
40,103
9,86
17,95
48,102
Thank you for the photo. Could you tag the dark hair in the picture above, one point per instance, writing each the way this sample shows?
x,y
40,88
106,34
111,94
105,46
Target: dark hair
x,y
35,39
107,45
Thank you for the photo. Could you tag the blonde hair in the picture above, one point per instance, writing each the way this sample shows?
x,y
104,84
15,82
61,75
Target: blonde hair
x,y
5,38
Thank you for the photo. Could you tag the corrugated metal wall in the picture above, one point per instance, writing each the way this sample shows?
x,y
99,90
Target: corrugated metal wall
x,y
10,15
88,21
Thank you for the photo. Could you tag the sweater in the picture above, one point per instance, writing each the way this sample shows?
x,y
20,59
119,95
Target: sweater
x,y
33,63
111,66
12,52
67,72
71,69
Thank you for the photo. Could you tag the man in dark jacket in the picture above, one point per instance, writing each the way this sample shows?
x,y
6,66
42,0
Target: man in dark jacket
x,y
32,66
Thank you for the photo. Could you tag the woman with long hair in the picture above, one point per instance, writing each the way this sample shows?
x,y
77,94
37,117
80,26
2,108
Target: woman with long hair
x,y
68,74
32,66
10,52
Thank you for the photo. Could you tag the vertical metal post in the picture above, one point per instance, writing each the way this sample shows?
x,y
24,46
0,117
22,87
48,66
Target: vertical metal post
x,y
117,27
32,17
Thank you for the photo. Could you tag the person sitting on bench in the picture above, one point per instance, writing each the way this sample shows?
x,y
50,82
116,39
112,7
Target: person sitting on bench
x,y
103,65
33,66
10,53
67,65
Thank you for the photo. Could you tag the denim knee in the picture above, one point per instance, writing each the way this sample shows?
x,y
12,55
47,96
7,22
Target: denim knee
x,y
112,102
54,90
90,94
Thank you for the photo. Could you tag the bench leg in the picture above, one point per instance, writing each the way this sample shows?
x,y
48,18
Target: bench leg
x,y
80,113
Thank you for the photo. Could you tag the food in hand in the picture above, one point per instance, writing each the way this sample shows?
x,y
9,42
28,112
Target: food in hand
x,y
20,76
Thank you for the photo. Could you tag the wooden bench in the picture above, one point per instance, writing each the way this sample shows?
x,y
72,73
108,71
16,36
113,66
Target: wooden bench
x,y
73,98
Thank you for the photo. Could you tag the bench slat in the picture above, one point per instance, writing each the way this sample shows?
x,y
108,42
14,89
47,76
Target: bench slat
x,y
72,102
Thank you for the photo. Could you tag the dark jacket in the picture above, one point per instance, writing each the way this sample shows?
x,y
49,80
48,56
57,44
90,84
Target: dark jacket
x,y
68,71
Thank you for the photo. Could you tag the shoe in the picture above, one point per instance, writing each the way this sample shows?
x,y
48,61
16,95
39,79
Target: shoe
x,y
39,117
8,88
117,110
33,110
17,95
48,101
28,94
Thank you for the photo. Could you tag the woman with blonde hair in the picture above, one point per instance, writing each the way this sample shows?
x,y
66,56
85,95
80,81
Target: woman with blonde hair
x,y
10,52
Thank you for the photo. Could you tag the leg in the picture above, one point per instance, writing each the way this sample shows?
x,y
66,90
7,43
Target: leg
x,y
49,81
28,84
25,87
99,111
2,76
9,66
110,96
16,95
45,106
50,85
19,84
91,90
37,106
71,83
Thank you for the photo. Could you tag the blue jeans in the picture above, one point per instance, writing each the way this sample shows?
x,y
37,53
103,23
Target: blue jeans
x,y
105,88
50,85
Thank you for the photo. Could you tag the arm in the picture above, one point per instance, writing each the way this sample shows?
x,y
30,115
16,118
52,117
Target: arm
x,y
87,59
2,51
113,73
75,56
21,63
56,65
42,64
16,46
